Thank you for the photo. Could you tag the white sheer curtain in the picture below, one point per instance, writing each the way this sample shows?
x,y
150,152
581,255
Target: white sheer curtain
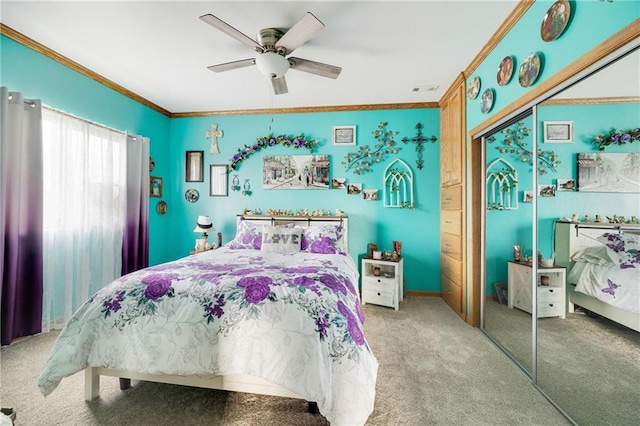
x,y
84,212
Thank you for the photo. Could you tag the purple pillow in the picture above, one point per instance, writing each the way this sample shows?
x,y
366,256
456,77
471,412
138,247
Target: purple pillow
x,y
323,239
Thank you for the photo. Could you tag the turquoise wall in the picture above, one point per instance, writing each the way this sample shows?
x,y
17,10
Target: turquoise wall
x,y
591,23
171,234
36,76
369,221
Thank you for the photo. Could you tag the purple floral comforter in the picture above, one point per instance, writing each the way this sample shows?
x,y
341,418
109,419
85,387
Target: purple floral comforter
x,y
291,319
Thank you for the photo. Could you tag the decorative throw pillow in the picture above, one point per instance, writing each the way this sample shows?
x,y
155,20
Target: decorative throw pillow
x,y
596,255
278,239
248,236
323,239
624,249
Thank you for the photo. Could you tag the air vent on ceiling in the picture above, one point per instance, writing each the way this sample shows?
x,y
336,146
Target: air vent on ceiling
x,y
431,88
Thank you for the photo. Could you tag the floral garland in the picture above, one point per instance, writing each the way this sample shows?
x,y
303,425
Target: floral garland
x,y
617,137
297,142
362,160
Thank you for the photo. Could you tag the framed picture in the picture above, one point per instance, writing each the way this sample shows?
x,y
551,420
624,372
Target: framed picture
x,y
558,131
344,135
155,186
295,171
608,172
370,194
339,183
527,197
354,188
546,190
195,165
566,184
218,186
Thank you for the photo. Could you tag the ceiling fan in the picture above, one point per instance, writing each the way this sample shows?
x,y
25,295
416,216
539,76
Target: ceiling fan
x,y
273,46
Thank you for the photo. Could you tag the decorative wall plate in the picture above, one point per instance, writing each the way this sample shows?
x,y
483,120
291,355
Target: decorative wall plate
x,y
152,164
555,21
474,88
486,102
191,195
529,70
161,207
505,70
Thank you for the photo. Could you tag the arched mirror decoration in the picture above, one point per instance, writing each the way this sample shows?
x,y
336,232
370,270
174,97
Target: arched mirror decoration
x,y
398,185
502,186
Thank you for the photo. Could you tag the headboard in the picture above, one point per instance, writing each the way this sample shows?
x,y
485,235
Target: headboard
x,y
302,221
571,237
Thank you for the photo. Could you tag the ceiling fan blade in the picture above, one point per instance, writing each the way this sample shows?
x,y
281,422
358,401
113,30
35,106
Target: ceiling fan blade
x,y
230,31
232,65
301,31
279,85
313,67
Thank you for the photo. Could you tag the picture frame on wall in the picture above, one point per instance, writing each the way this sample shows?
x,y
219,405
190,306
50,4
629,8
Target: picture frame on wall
x,y
155,186
344,135
194,166
218,181
558,131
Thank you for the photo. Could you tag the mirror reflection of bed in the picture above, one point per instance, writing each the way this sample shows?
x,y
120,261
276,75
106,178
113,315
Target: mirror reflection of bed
x,y
588,363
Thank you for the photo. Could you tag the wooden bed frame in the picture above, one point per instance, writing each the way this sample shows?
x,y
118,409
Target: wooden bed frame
x,y
571,237
234,383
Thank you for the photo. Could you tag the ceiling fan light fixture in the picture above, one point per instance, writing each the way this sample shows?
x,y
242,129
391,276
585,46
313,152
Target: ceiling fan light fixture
x,y
272,65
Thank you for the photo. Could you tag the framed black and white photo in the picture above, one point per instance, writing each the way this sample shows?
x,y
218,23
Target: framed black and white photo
x,y
194,166
344,135
558,131
218,185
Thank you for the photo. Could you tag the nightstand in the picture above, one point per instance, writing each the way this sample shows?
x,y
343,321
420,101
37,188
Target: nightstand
x,y
551,290
382,282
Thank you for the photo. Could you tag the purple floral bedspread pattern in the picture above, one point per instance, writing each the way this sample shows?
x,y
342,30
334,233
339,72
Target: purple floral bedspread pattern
x,y
291,319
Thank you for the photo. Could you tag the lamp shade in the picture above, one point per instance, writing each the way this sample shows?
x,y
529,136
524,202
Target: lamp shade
x,y
272,65
204,224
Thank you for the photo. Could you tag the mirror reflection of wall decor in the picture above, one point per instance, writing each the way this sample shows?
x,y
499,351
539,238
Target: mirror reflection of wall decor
x,y
195,164
218,180
530,69
527,197
155,186
344,135
474,88
617,137
191,195
604,172
555,21
558,131
398,185
546,190
502,186
295,172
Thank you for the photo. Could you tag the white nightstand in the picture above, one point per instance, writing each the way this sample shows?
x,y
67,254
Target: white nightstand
x,y
386,288
551,297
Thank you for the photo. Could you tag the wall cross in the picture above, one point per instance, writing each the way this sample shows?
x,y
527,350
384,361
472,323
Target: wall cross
x,y
419,139
214,134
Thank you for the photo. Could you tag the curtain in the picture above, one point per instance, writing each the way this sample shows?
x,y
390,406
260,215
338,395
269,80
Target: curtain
x,y
135,248
21,206
85,191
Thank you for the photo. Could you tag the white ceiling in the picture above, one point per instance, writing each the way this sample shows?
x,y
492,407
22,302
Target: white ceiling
x,y
160,50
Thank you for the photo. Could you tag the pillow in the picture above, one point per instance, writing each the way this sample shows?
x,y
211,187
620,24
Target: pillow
x,y
323,239
279,239
596,255
624,249
248,236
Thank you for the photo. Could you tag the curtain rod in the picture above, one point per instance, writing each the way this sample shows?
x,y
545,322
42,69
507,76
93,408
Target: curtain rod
x,y
85,120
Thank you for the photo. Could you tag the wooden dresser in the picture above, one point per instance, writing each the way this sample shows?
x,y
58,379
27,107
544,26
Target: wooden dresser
x,y
452,197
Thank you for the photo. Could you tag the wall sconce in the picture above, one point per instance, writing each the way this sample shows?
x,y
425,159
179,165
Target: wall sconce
x,y
246,188
235,183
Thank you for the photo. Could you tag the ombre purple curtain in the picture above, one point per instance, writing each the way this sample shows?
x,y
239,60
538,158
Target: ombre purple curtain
x,y
135,244
21,200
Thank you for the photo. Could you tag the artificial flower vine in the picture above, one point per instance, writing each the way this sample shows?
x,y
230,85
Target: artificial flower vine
x,y
362,160
296,142
617,137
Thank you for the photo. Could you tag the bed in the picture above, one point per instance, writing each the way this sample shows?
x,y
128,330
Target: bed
x,y
256,315
603,262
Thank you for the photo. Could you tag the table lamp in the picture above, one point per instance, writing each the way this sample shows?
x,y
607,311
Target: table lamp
x,y
203,225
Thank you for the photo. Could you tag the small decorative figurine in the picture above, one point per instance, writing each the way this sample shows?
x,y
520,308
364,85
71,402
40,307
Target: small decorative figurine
x,y
634,219
587,219
599,219
574,218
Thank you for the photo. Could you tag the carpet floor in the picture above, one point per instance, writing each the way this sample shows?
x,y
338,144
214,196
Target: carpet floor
x,y
433,370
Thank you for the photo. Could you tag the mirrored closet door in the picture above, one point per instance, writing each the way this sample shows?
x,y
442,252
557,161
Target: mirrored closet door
x,y
588,363
508,218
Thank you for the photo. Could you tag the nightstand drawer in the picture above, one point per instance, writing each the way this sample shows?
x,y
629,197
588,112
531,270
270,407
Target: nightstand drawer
x,y
550,310
383,298
550,294
380,284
